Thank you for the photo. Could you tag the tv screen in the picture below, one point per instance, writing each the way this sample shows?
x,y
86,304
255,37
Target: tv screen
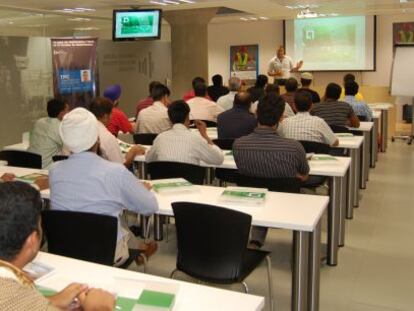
x,y
133,25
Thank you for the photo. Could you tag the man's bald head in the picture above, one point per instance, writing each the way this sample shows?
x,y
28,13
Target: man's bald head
x,y
243,100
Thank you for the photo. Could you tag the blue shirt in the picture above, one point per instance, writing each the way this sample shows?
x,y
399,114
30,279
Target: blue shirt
x,y
87,183
360,108
235,123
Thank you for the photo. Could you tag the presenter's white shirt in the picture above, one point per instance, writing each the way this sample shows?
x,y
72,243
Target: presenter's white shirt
x,y
285,65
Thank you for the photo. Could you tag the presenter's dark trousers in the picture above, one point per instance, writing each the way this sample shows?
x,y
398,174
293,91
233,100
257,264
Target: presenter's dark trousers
x,y
280,81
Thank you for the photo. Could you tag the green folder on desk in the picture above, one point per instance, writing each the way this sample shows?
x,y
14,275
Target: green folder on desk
x,y
155,301
172,185
344,135
30,178
323,157
244,195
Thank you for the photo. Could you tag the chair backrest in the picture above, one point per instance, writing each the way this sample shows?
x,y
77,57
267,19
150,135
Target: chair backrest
x,y
207,122
162,170
145,139
21,158
339,128
225,144
315,147
285,184
57,158
211,241
85,236
362,118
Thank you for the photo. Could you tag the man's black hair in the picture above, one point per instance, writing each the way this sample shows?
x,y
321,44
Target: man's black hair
x,y
349,77
333,91
197,80
101,106
159,91
178,111
303,100
200,89
270,109
152,85
20,207
272,88
261,81
217,80
54,107
351,88
291,85
305,82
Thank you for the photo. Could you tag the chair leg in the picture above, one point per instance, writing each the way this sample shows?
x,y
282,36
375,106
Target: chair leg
x,y
270,282
167,228
173,273
245,287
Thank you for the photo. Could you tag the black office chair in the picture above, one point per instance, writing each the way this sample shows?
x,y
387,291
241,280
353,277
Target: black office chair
x,y
162,170
84,236
315,147
212,245
284,184
339,128
225,175
145,139
207,122
21,158
58,158
225,144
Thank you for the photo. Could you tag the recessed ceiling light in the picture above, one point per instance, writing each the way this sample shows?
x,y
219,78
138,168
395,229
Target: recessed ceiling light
x,y
171,2
158,3
187,1
264,18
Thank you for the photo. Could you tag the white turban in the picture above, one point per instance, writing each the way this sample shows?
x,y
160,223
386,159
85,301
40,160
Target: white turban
x,y
79,130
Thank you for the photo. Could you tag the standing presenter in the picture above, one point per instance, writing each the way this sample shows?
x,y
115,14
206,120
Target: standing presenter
x,y
281,66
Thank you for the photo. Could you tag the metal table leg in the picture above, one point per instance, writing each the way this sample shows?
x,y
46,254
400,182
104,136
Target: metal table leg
x,y
351,184
367,136
300,271
342,209
314,268
144,226
158,232
374,143
364,155
384,130
333,220
358,159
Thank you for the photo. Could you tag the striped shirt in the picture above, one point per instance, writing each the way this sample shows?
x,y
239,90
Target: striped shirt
x,y
333,112
181,145
263,153
360,108
303,126
154,119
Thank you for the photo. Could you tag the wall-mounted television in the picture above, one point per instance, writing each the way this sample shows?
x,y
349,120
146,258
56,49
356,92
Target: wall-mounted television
x,y
135,24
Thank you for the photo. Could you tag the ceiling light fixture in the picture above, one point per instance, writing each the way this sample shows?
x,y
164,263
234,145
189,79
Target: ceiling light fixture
x,y
307,13
158,3
171,2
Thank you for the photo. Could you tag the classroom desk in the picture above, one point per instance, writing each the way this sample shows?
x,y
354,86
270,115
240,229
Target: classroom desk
x,y
374,140
23,146
300,213
366,128
129,284
384,108
337,174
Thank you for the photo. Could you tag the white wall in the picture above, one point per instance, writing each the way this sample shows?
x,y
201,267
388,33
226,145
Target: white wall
x,y
267,34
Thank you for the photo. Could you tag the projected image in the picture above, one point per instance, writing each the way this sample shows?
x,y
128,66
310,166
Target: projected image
x,y
325,42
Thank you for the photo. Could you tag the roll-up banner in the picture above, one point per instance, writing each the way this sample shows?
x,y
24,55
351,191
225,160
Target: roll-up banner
x,y
75,70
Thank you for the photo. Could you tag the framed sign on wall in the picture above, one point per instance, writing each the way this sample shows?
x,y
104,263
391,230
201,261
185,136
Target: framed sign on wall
x,y
244,62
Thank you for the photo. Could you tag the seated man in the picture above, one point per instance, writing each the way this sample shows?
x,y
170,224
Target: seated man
x,y
265,154
303,126
361,109
44,137
88,183
217,90
291,87
146,102
351,77
155,119
226,101
306,80
119,121
275,89
190,94
238,121
257,91
202,108
335,112
180,144
108,144
20,238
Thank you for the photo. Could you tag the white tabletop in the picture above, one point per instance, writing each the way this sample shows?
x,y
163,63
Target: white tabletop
x,y
129,284
377,114
336,169
381,106
290,211
350,142
363,127
23,146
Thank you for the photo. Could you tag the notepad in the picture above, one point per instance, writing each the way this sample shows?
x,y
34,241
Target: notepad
x,y
125,147
323,157
30,178
244,195
37,270
172,185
